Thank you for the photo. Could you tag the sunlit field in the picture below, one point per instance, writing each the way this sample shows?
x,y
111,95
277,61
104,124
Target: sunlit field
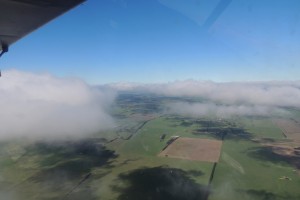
x,y
256,159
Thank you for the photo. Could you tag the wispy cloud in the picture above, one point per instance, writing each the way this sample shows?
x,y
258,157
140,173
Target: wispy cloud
x,y
44,106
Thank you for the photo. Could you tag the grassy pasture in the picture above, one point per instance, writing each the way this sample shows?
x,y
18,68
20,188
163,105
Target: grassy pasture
x,y
243,173
123,164
249,170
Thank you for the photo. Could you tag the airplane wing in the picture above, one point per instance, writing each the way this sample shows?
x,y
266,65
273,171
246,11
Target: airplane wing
x,y
20,17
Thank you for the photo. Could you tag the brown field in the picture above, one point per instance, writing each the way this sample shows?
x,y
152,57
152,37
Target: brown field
x,y
290,128
194,149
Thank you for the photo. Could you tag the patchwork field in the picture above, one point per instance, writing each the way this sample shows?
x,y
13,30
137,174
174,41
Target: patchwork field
x,y
213,159
194,149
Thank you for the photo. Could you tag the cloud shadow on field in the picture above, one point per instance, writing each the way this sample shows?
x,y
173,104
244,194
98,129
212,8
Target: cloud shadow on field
x,y
224,133
266,153
65,162
160,183
190,121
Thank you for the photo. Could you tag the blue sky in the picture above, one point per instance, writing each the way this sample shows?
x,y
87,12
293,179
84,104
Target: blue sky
x,y
149,41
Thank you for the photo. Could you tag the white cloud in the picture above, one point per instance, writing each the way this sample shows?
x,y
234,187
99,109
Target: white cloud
x,y
44,106
272,93
223,99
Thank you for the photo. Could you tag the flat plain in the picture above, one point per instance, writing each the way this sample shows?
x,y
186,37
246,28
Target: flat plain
x,y
214,158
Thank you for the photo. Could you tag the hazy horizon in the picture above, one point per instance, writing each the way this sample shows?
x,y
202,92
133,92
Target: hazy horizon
x,y
46,106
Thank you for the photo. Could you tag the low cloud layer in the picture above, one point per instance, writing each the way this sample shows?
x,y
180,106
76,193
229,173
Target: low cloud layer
x,y
272,93
44,106
234,98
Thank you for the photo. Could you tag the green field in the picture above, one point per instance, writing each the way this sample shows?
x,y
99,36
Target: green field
x,y
123,164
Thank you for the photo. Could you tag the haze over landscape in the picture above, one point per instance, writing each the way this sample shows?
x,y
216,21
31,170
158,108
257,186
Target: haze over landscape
x,y
52,106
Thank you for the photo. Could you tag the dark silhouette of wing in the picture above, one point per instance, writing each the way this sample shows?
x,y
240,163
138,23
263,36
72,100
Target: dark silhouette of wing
x,y
20,17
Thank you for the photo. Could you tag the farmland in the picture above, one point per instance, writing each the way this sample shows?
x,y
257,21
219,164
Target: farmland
x,y
213,158
194,149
